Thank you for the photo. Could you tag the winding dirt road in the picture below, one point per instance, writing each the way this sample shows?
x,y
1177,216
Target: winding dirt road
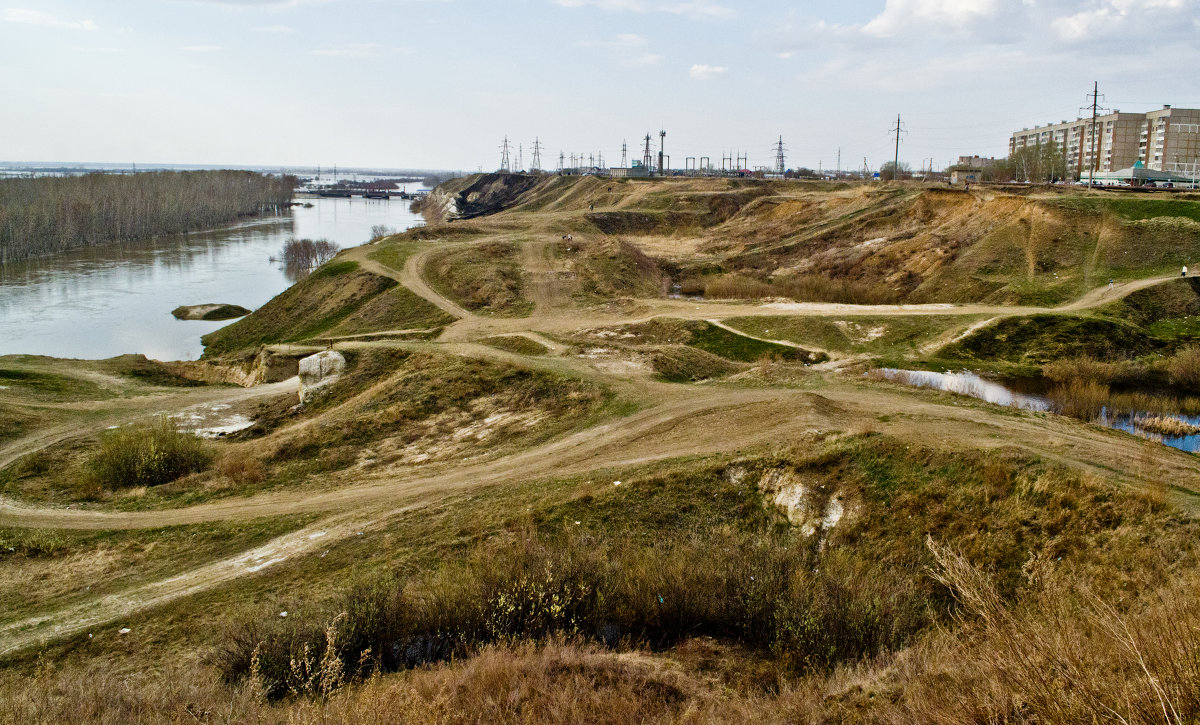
x,y
679,421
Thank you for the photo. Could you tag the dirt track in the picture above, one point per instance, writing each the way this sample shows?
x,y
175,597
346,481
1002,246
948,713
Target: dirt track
x,y
677,421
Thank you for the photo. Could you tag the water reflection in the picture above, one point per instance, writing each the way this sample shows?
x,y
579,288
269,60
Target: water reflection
x,y
966,383
106,301
1176,431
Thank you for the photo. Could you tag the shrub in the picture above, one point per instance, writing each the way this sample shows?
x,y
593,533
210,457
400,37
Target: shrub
x,y
146,455
1082,399
242,466
759,590
1184,368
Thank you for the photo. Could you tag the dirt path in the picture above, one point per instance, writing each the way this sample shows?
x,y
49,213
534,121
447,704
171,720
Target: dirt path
x,y
678,421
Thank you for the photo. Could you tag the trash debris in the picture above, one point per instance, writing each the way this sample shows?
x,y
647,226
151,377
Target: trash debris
x,y
283,613
124,630
616,483
577,523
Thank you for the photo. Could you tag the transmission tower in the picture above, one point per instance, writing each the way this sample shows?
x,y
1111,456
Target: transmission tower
x,y
562,160
647,159
662,141
743,160
504,160
780,162
520,157
537,155
624,149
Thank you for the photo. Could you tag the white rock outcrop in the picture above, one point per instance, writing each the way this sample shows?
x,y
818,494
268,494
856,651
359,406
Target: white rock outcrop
x,y
318,372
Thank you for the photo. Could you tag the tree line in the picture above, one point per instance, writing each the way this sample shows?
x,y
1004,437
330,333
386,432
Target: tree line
x,y
47,215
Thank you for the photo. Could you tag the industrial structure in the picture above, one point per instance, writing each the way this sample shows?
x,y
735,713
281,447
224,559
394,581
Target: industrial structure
x,y
1165,140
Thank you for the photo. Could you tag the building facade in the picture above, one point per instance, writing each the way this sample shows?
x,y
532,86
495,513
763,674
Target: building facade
x,y
1164,140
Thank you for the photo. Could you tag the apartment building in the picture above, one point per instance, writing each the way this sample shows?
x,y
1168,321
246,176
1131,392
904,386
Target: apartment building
x,y
1164,140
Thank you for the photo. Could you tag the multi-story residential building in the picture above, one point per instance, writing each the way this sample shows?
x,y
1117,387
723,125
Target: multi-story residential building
x,y
1164,140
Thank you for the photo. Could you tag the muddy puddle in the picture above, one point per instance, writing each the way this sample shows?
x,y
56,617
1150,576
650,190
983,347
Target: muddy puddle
x,y
1176,431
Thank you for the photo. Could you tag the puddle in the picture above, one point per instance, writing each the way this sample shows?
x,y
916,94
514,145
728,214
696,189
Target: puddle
x,y
211,420
966,383
1176,431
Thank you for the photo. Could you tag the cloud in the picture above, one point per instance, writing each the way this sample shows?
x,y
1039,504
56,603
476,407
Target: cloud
x,y
200,48
706,72
276,29
354,50
38,17
628,49
697,9
901,15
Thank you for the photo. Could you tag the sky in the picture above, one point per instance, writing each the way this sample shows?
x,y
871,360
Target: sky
x,y
438,84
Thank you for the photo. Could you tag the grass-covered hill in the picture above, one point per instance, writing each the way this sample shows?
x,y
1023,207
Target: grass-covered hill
x,y
745,238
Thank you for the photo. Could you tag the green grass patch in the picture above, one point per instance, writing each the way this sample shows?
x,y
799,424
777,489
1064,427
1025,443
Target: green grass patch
x,y
518,344
394,253
1040,339
1136,208
484,278
311,307
899,335
396,309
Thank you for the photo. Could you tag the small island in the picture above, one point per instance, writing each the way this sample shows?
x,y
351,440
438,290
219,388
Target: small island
x,y
211,313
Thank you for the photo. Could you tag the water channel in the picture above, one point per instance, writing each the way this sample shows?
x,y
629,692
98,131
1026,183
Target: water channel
x,y
106,301
970,384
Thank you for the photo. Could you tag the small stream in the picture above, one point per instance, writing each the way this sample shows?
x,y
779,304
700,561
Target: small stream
x,y
970,384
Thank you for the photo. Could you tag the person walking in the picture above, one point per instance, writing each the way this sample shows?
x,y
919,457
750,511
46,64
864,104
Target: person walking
x,y
1184,272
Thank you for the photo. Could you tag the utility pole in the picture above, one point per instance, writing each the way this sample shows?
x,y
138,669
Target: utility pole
x,y
504,160
839,166
866,169
520,157
662,140
780,165
1095,96
537,155
898,130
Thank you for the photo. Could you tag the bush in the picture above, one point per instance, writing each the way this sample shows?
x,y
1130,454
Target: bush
x,y
1184,368
146,455
242,467
1082,399
758,590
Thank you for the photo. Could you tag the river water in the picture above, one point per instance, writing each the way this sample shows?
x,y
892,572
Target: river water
x,y
970,384
112,300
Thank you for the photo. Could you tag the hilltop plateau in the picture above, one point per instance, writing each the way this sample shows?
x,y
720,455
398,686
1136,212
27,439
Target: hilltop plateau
x,y
595,450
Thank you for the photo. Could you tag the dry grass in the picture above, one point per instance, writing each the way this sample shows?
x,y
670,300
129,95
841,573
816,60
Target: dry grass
x,y
242,466
1071,656
802,288
1184,368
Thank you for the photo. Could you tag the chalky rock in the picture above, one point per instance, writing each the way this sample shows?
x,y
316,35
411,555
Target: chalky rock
x,y
318,372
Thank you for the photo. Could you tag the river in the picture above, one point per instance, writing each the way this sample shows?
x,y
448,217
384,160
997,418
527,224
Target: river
x,y
107,301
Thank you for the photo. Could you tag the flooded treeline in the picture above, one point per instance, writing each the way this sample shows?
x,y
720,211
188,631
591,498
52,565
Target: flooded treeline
x,y
48,215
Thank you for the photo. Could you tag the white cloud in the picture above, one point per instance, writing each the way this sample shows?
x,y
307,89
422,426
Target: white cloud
x,y
698,9
354,50
200,48
38,17
899,15
626,48
276,29
706,72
